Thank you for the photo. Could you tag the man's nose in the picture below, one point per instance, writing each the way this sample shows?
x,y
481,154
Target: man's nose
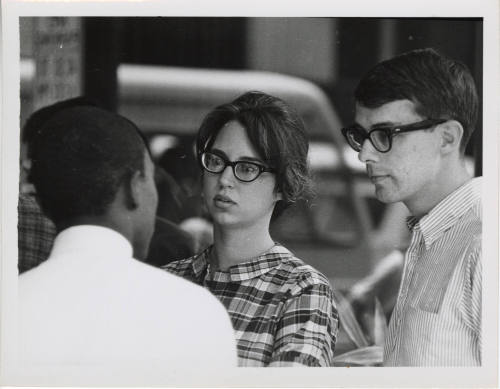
x,y
368,152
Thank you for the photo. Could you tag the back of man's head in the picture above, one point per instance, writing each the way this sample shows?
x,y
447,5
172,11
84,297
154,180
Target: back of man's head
x,y
38,118
438,86
81,157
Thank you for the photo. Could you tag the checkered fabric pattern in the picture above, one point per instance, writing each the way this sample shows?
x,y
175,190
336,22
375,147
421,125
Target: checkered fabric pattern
x,y
36,233
282,310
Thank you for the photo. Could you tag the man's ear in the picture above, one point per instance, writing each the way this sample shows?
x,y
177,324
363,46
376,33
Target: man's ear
x,y
451,135
132,188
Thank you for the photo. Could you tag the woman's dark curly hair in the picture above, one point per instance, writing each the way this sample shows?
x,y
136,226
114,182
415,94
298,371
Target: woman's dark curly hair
x,y
276,131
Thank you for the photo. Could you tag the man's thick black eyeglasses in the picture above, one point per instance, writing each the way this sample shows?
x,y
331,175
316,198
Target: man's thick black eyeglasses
x,y
381,137
243,170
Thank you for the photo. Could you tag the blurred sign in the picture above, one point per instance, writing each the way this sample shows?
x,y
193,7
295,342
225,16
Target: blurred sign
x,y
58,58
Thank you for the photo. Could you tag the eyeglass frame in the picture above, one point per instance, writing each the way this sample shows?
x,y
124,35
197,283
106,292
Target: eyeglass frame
x,y
233,165
390,131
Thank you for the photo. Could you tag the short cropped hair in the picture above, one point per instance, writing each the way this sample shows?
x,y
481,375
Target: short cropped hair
x,y
80,158
37,119
438,86
276,131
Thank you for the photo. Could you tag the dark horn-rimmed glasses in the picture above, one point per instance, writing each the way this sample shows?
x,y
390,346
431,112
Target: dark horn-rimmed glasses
x,y
381,137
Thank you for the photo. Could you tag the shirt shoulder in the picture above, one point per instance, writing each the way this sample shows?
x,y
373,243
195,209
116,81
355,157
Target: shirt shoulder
x,y
301,276
175,291
470,225
179,266
469,210
182,268
191,302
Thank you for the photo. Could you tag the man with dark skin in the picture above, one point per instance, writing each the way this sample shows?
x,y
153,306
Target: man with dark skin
x,y
92,303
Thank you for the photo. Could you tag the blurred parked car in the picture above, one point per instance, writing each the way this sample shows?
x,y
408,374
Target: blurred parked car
x,y
169,103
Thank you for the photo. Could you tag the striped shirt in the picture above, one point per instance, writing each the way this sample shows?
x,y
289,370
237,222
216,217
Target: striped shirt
x,y
437,317
282,310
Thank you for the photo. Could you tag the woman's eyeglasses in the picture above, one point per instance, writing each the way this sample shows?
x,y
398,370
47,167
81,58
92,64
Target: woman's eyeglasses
x,y
243,170
381,137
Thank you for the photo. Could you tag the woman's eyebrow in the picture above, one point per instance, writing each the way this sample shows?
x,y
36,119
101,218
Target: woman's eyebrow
x,y
251,159
242,158
220,153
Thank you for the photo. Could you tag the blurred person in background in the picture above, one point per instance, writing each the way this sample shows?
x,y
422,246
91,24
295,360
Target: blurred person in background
x,y
35,233
180,163
169,241
253,152
414,116
92,304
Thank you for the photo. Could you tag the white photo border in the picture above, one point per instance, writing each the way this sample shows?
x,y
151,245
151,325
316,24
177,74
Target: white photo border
x,y
485,376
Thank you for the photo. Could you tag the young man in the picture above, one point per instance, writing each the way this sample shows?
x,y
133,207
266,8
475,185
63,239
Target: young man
x,y
91,305
35,231
414,115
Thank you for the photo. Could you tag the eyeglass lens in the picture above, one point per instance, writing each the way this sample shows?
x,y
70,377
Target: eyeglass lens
x,y
379,138
213,163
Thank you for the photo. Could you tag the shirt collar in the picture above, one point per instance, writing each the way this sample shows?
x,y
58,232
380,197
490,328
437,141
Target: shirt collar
x,y
199,264
252,268
91,241
446,213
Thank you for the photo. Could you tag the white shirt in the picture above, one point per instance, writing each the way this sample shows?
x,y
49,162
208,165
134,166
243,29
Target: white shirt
x,y
91,304
437,317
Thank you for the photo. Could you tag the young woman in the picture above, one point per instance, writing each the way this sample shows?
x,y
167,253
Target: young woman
x,y
253,152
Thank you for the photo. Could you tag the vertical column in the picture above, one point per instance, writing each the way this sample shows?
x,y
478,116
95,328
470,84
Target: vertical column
x,y
477,72
57,50
102,48
387,48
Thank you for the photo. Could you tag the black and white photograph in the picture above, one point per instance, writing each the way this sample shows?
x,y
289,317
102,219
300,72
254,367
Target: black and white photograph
x,y
200,195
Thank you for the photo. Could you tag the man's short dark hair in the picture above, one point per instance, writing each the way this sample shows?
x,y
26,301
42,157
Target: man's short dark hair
x,y
438,86
278,134
37,119
80,158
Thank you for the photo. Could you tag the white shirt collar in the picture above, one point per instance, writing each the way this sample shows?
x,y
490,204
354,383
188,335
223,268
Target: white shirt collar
x,y
91,240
